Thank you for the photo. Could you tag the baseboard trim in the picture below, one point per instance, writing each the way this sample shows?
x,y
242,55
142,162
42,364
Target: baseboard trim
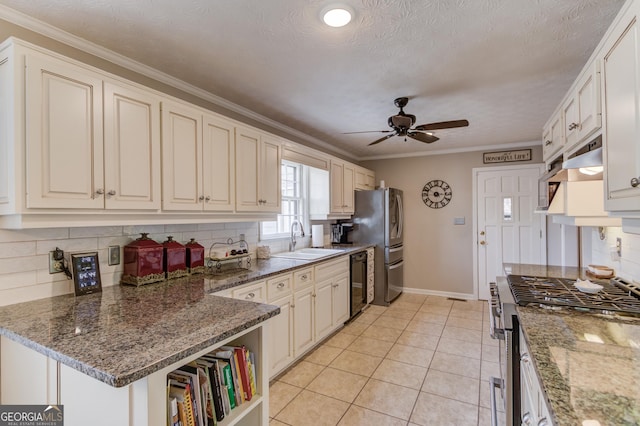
x,y
426,292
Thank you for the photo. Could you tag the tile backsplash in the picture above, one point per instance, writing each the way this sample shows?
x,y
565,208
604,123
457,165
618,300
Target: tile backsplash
x,y
628,266
24,254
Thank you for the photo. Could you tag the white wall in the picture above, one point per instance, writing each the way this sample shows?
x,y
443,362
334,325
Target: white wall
x,y
24,254
628,266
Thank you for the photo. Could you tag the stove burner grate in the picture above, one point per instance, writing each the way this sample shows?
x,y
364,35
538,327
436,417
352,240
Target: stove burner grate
x,y
616,296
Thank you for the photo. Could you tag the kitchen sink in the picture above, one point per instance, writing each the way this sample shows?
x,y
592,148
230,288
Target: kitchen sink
x,y
308,253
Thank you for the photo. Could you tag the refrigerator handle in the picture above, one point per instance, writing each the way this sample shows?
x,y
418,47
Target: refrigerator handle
x,y
396,265
400,215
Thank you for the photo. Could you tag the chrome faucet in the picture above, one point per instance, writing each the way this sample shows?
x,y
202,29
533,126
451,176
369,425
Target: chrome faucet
x,y
292,243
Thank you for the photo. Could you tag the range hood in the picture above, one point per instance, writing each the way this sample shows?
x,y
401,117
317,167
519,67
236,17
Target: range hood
x,y
578,195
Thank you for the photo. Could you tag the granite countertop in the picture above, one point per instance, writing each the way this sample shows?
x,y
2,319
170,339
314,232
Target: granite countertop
x,y
588,364
126,333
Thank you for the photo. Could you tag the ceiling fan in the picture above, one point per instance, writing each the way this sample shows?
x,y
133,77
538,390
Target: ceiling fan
x,y
402,123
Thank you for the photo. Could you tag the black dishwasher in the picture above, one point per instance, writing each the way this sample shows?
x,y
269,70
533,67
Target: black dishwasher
x,y
358,283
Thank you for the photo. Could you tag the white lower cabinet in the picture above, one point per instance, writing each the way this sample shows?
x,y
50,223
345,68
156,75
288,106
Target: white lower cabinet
x,y
29,377
534,406
303,320
310,308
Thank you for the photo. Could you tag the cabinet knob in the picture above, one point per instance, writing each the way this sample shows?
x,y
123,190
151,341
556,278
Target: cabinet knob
x,y
250,296
111,193
526,419
547,142
201,198
99,191
207,198
483,243
635,182
280,285
304,277
573,126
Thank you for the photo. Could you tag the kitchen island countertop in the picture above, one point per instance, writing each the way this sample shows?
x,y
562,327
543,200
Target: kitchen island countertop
x,y
126,333
588,364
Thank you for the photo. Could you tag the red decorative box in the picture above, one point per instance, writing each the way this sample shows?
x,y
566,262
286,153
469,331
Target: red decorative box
x,y
142,262
175,259
195,257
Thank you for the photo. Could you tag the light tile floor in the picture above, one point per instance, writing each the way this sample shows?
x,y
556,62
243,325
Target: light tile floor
x,y
424,360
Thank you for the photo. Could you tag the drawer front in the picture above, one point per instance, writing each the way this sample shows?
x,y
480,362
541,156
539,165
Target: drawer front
x,y
279,287
332,268
303,278
251,292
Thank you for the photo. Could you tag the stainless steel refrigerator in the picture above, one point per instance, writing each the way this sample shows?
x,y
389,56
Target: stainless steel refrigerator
x,y
379,220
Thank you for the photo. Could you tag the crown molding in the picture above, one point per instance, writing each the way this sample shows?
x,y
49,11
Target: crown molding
x,y
59,35
454,150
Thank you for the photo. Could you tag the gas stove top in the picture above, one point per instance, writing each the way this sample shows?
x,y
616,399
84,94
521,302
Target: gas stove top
x,y
617,296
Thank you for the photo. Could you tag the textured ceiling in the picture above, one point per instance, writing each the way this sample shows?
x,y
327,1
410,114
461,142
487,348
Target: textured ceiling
x,y
502,64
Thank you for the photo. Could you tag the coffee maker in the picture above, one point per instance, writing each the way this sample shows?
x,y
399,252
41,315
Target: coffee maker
x,y
340,233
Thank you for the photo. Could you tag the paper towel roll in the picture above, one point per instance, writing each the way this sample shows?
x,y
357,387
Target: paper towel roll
x,y
317,235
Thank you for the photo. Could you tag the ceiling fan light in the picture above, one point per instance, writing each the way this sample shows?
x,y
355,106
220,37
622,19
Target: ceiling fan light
x,y
336,17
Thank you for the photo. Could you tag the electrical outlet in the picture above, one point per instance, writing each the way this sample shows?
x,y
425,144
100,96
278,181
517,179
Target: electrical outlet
x,y
56,259
619,246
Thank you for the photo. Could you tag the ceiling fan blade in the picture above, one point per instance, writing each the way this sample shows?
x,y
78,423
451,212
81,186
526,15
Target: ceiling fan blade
x,y
443,125
367,131
422,137
384,138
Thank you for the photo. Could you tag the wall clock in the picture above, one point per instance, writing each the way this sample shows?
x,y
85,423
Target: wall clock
x,y
436,194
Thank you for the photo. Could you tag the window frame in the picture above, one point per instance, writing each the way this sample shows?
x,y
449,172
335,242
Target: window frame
x,y
303,217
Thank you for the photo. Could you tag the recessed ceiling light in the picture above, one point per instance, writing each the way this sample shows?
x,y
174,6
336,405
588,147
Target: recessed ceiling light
x,y
336,17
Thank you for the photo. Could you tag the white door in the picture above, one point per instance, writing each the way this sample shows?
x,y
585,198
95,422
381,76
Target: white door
x,y
247,170
269,183
507,229
341,299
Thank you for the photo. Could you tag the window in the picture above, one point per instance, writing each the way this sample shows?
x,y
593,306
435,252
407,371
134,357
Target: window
x,y
294,181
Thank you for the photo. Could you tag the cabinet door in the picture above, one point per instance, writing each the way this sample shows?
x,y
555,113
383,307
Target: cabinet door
x,y
270,192
218,168
337,191
553,137
324,315
621,77
181,157
303,320
340,300
63,135
131,148
571,121
281,336
348,187
247,169
588,98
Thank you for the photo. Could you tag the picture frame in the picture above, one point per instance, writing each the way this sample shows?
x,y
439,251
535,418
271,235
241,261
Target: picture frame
x,y
86,273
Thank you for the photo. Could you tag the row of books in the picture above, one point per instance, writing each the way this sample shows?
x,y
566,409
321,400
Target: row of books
x,y
203,392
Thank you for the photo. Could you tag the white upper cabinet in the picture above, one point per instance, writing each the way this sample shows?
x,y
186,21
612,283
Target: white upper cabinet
x,y
131,148
621,110
218,164
197,160
553,136
181,157
257,172
64,140
365,179
342,187
582,115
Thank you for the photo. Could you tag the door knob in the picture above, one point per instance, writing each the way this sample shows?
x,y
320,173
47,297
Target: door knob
x,y
635,182
481,232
